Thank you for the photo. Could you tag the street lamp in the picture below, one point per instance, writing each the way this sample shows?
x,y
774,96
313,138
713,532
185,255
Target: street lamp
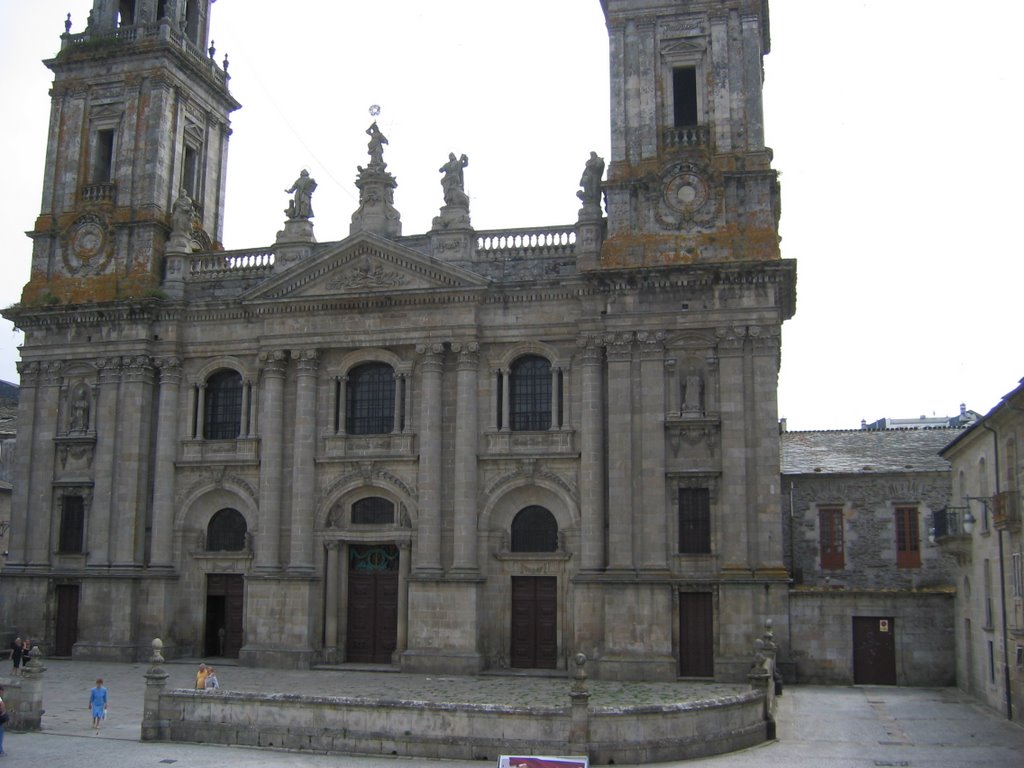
x,y
968,524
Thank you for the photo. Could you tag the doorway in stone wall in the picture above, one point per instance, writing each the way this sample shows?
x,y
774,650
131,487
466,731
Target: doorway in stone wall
x,y
225,604
66,629
534,622
372,634
874,650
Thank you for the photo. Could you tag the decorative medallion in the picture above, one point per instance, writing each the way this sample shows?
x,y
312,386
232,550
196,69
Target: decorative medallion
x,y
687,196
87,245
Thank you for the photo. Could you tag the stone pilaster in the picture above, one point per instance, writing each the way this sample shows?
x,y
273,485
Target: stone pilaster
x,y
734,496
99,528
331,608
592,467
44,428
166,448
466,431
654,531
128,522
271,425
765,353
428,533
303,461
620,451
23,461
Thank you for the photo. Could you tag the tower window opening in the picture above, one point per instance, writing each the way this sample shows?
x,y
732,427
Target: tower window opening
x,y
684,97
192,21
103,157
161,9
126,13
190,172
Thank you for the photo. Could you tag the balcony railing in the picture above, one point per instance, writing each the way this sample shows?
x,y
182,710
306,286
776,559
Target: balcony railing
x,y
949,522
103,192
532,243
1006,511
209,265
686,136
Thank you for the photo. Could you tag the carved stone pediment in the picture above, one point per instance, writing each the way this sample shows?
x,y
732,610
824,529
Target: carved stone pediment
x,y
365,264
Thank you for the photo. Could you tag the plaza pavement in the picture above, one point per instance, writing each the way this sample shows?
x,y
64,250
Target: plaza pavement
x,y
818,727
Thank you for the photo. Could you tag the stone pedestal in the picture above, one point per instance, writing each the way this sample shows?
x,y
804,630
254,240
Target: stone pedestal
x,y
28,709
294,243
154,727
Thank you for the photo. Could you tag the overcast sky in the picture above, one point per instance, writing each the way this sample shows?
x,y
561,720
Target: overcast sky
x,y
896,126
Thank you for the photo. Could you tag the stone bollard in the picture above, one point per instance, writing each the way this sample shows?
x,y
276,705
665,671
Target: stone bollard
x,y
579,728
154,727
28,715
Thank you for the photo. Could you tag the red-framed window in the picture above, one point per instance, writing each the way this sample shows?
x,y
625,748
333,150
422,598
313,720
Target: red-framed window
x,y
830,538
908,538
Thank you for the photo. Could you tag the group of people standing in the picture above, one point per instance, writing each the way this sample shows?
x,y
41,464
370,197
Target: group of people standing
x,y
206,678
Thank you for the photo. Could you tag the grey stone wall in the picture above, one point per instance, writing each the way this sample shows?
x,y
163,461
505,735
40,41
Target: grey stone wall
x,y
821,628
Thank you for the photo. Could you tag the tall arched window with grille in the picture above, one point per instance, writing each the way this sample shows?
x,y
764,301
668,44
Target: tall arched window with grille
x,y
226,531
534,529
370,400
222,406
530,393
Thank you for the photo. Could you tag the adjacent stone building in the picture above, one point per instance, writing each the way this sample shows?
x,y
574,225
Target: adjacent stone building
x,y
981,528
448,451
872,598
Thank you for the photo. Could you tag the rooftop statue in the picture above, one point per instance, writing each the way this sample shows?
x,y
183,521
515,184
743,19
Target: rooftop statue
x,y
452,182
376,146
301,204
591,181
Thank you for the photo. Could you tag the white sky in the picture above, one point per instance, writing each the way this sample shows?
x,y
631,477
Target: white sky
x,y
896,125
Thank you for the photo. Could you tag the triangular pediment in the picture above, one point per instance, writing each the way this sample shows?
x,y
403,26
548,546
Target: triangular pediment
x,y
365,265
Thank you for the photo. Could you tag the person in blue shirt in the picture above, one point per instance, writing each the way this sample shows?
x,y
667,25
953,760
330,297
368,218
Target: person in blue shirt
x,y
98,703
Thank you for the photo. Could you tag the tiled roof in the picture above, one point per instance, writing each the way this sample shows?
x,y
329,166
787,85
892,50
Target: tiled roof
x,y
866,451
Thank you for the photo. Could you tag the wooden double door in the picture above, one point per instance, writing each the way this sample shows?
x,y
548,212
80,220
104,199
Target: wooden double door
x,y
372,618
534,622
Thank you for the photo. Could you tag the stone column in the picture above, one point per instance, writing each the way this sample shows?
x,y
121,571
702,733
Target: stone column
x,y
201,411
592,466
268,543
166,449
428,533
556,405
303,462
466,430
128,522
766,344
506,400
342,404
331,609
21,513
404,557
343,555
243,430
733,500
43,529
620,451
99,532
653,501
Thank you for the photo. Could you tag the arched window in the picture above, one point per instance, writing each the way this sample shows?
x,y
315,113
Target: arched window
x,y
370,400
530,393
373,511
226,531
222,409
534,529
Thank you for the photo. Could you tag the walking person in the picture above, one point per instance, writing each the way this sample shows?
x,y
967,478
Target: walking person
x,y
98,704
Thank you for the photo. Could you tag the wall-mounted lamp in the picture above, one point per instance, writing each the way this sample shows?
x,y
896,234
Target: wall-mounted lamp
x,y
968,523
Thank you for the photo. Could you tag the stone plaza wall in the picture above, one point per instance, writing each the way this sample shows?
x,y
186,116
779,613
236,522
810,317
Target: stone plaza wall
x,y
821,629
460,731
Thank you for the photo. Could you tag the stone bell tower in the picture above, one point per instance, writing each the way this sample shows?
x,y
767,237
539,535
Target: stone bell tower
x,y
690,179
139,113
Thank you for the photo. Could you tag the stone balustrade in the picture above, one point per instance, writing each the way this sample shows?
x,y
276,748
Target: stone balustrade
x,y
216,265
686,136
531,243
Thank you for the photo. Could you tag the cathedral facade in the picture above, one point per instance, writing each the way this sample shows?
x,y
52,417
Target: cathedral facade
x,y
447,452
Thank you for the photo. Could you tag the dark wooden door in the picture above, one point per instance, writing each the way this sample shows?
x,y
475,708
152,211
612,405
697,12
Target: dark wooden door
x,y
225,606
696,635
874,650
534,622
66,630
372,630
